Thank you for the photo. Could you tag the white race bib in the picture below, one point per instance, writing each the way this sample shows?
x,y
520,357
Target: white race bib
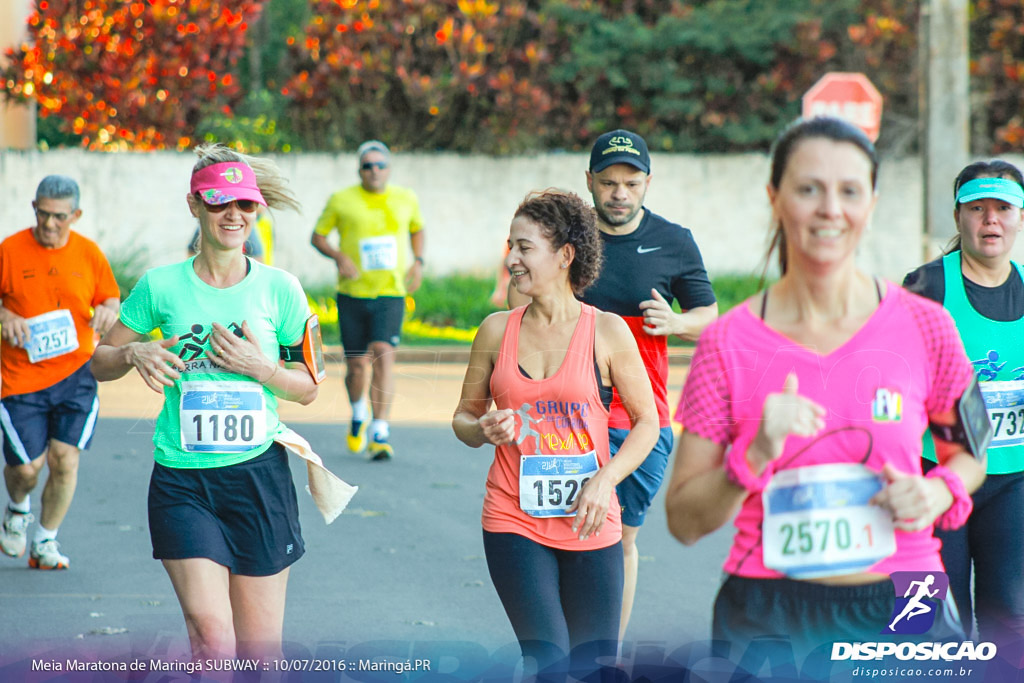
x,y
549,484
222,417
817,521
378,253
1004,402
50,335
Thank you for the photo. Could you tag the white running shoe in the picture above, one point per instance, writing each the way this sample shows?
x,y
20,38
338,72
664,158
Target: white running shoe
x,y
47,555
12,532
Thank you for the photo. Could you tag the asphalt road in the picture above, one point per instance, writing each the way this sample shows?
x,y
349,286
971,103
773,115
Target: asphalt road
x,y
400,573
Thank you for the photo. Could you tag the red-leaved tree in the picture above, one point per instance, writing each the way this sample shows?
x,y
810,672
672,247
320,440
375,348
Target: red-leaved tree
x,y
453,74
997,75
130,74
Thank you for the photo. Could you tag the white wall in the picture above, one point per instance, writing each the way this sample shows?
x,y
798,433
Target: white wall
x,y
131,199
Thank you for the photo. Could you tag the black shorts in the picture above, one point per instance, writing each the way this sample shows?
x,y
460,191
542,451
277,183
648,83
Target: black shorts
x,y
65,411
244,516
363,321
804,616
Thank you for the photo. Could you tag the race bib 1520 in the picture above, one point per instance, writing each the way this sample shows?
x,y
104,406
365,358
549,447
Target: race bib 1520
x,y
549,484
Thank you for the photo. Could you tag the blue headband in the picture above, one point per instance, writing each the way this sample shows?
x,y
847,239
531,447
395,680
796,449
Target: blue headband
x,y
1008,191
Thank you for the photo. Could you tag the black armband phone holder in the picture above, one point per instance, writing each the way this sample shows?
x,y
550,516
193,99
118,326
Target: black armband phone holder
x,y
973,428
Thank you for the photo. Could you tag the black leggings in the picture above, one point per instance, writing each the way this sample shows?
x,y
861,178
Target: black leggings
x,y
992,539
559,601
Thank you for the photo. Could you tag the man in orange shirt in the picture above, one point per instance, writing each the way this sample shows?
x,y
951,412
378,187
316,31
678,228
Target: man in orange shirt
x,y
56,292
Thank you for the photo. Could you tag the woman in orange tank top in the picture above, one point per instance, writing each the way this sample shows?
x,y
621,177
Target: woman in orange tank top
x,y
552,534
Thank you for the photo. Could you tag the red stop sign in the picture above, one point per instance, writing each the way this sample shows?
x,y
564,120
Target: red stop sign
x,y
848,96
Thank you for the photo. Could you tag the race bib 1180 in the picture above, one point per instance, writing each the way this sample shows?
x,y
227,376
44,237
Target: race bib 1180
x,y
222,417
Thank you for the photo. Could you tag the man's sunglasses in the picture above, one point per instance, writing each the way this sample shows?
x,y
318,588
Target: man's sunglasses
x,y
244,205
46,215
370,165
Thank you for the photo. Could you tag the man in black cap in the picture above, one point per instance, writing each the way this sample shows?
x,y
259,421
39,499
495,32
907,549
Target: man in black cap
x,y
648,263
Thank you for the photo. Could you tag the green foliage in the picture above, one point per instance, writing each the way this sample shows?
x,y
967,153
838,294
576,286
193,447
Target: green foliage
x,y
721,75
501,77
458,300
128,262
255,126
323,303
266,64
51,133
733,289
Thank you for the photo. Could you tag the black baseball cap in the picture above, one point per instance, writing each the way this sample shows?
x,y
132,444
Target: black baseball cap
x,y
620,147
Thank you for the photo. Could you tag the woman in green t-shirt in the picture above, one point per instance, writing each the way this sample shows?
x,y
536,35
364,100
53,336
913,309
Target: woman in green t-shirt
x,y
223,513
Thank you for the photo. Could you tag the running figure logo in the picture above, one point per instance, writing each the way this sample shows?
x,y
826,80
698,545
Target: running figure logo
x,y
525,430
919,596
193,344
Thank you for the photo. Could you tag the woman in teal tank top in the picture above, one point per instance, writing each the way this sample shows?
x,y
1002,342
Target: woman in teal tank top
x,y
983,289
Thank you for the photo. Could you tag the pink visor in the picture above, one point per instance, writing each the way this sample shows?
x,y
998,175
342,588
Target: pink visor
x,y
225,182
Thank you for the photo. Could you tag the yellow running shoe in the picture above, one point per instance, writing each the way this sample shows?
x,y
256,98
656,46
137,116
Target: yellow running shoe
x,y
381,449
357,436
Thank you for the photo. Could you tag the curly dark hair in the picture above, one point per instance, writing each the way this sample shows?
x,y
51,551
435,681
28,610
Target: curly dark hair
x,y
564,218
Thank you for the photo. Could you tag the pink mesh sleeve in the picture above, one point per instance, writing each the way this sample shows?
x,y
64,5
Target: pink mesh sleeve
x,y
951,369
704,405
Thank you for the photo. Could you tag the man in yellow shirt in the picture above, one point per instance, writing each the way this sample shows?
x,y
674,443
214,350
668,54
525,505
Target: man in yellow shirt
x,y
375,271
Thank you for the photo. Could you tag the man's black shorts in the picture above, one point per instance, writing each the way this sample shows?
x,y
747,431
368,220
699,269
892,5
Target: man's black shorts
x,y
362,321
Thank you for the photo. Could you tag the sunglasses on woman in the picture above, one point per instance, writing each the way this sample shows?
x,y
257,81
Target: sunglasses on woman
x,y
244,205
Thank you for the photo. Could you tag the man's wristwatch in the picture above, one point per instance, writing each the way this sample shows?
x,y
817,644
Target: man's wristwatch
x,y
419,260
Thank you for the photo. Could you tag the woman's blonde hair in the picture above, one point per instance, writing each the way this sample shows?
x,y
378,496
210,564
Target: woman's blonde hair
x,y
273,186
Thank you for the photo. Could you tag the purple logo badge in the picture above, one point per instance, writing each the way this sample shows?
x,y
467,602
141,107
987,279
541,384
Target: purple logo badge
x,y
919,597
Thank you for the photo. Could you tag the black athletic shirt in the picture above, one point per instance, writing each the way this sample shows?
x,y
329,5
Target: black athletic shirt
x,y
659,255
1004,303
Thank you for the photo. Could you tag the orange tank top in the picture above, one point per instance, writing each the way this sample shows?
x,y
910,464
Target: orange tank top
x,y
558,420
